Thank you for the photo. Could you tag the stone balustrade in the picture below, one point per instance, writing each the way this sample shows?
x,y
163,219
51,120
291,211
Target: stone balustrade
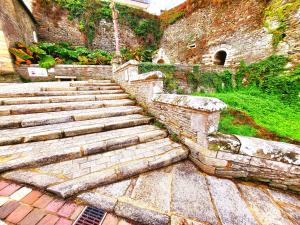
x,y
195,120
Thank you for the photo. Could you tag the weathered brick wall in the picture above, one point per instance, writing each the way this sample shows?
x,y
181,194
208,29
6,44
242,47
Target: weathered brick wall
x,y
82,72
235,27
60,28
15,25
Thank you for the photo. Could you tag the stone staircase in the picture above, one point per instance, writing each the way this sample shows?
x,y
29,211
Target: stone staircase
x,y
91,142
69,139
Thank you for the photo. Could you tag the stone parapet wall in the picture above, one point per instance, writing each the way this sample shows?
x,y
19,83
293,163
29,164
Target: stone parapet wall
x,y
195,121
275,163
186,116
82,72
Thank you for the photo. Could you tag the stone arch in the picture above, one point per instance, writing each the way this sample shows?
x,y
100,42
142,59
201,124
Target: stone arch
x,y
161,61
160,57
220,58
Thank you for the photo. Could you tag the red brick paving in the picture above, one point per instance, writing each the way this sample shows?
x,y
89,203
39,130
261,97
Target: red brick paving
x,y
110,220
8,208
37,208
10,189
3,184
63,221
67,210
55,205
49,220
31,197
43,201
19,213
33,217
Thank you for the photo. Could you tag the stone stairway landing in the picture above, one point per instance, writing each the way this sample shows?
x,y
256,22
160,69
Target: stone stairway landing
x,y
71,138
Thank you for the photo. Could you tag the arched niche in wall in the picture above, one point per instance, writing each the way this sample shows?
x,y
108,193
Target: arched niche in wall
x,y
161,61
220,58
160,57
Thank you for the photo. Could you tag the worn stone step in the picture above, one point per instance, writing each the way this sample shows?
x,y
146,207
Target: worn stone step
x,y
45,152
58,99
58,93
73,176
39,119
82,88
55,107
95,84
69,129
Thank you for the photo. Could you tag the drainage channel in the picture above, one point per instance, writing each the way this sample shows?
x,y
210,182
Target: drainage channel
x,y
91,216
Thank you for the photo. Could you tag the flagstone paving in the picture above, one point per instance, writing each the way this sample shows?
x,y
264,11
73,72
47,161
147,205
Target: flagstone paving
x,y
90,142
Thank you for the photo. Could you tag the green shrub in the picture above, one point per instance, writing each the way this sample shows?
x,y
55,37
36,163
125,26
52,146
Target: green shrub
x,y
49,54
47,61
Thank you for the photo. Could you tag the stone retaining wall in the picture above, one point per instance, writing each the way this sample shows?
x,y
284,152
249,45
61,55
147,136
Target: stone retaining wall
x,y
195,121
187,116
82,72
275,163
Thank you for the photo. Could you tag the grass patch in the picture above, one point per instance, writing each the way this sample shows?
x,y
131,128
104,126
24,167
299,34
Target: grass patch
x,y
254,113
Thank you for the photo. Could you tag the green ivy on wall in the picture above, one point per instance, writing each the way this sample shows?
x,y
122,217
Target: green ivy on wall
x,y
89,12
277,12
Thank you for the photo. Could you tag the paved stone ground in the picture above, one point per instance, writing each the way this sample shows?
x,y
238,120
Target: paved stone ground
x,y
92,143
181,194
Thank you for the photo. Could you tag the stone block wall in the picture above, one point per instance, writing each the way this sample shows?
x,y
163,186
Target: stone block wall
x,y
195,121
275,163
16,24
82,72
186,116
235,27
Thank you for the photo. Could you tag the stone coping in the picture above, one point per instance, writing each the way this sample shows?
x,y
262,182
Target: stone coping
x,y
206,104
157,75
256,147
129,63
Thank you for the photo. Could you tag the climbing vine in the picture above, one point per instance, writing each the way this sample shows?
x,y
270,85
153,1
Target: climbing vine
x,y
89,12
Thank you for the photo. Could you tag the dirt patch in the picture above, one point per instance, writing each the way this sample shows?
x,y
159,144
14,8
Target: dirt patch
x,y
242,118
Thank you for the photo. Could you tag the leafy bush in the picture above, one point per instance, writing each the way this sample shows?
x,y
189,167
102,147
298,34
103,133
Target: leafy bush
x,y
218,81
49,54
140,54
47,61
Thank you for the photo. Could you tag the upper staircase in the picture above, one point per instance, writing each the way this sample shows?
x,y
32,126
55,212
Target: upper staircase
x,y
71,139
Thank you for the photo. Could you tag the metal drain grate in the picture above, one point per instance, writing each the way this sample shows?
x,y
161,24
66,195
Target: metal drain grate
x,y
91,216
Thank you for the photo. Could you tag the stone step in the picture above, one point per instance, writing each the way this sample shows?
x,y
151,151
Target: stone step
x,y
73,176
55,107
39,119
95,84
69,129
181,194
45,152
58,99
80,88
58,93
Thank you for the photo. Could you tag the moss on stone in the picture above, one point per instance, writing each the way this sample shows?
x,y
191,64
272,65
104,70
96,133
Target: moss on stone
x,y
277,12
